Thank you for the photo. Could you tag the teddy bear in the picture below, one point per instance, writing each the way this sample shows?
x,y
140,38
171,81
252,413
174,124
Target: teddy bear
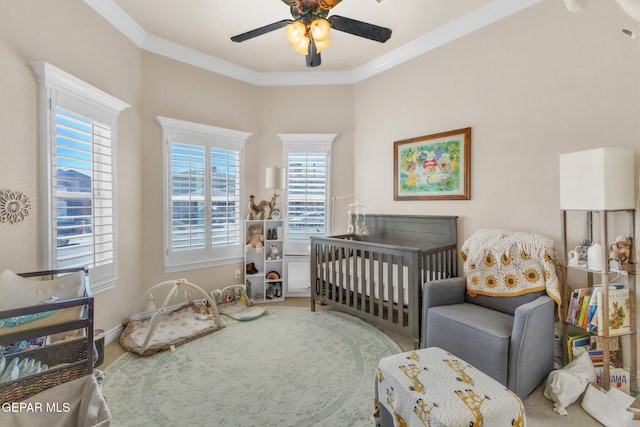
x,y
255,238
621,249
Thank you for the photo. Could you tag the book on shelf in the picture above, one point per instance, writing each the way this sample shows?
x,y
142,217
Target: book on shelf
x,y
583,312
576,305
619,316
596,343
618,378
596,353
592,307
575,341
572,306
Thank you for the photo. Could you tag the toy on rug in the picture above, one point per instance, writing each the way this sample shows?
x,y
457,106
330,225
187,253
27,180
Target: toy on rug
x,y
179,319
255,238
234,302
205,311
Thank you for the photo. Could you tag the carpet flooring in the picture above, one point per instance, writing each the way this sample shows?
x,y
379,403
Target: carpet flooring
x,y
539,409
292,367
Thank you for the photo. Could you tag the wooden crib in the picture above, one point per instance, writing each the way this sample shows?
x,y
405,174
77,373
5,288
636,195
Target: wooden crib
x,y
379,277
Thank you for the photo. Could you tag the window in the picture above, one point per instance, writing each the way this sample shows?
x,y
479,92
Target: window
x,y
78,143
308,163
203,168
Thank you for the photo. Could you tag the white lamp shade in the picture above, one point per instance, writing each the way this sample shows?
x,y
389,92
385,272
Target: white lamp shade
x,y
276,178
598,179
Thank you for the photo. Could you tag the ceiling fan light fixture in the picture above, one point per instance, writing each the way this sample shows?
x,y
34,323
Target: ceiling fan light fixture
x,y
320,29
322,45
302,47
296,34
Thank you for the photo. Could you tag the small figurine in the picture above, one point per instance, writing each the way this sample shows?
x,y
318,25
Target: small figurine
x,y
273,253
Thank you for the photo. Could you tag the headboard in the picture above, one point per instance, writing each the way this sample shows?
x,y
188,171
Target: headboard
x,y
416,231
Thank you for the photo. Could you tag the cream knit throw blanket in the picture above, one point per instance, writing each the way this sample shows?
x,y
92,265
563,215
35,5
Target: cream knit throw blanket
x,y
505,263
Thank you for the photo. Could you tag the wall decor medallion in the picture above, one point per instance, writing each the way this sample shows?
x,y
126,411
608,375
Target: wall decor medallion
x,y
433,167
14,206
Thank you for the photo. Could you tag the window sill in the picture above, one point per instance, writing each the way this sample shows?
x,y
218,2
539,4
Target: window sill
x,y
175,268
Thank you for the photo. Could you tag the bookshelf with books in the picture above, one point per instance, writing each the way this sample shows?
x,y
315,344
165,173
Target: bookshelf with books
x,y
598,306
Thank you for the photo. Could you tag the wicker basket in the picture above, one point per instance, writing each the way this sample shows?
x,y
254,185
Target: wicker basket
x,y
67,360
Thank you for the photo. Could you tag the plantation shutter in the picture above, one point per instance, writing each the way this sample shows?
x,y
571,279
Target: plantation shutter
x,y
205,189
187,196
78,175
83,215
306,195
203,177
308,161
225,197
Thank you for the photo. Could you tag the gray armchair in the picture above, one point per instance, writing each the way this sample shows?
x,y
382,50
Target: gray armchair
x,y
508,338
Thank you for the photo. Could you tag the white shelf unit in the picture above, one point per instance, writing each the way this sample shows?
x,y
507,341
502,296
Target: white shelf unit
x,y
586,277
263,286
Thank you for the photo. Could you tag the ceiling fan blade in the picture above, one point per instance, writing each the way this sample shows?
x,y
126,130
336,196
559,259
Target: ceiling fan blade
x,y
359,28
260,31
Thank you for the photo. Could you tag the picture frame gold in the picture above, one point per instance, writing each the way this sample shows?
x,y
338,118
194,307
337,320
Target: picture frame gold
x,y
433,167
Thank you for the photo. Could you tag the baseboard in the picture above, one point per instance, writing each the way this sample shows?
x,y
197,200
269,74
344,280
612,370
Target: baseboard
x,y
113,334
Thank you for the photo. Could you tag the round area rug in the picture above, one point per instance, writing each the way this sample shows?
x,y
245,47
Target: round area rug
x,y
291,367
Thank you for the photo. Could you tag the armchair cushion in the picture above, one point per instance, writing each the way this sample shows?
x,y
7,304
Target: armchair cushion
x,y
504,304
508,338
468,330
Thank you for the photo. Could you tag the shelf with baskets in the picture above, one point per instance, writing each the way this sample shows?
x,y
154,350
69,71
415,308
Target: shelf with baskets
x,y
599,295
264,261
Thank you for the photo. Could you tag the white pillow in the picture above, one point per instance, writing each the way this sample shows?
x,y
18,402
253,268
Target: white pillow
x,y
17,291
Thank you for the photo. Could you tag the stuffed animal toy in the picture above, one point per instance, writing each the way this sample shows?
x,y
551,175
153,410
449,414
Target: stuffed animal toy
x,y
255,238
216,295
273,253
204,308
621,249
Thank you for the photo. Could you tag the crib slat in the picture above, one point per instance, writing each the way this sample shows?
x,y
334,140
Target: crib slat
x,y
390,288
364,283
337,295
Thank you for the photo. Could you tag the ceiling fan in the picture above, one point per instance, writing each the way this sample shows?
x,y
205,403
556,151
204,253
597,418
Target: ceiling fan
x,y
308,31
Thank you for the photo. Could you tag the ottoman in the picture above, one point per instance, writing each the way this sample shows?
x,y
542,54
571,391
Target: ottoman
x,y
431,387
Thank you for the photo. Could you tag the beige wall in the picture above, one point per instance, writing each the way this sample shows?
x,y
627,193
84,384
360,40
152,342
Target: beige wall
x,y
172,89
542,82
71,36
175,90
314,109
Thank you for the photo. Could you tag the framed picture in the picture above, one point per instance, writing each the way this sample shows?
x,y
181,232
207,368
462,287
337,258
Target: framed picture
x,y
433,167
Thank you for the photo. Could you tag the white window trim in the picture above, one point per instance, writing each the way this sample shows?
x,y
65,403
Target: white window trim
x,y
308,142
52,79
226,138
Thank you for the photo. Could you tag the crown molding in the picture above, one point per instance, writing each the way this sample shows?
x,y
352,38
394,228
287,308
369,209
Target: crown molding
x,y
479,18
117,17
52,76
175,125
460,27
